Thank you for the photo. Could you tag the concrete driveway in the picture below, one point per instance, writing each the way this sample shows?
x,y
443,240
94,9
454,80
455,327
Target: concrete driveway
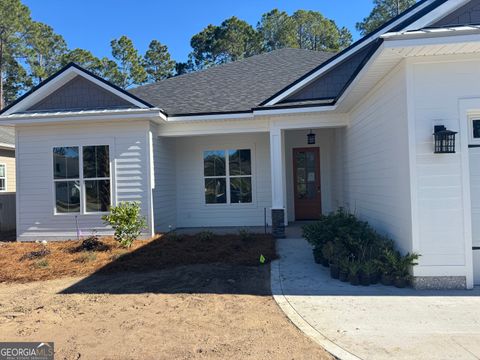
x,y
374,322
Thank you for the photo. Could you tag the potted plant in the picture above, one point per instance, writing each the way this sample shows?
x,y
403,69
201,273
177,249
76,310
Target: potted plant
x,y
344,266
366,271
327,252
402,269
334,269
354,273
318,255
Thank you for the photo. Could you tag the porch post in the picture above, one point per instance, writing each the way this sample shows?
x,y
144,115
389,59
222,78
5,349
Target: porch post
x,y
277,160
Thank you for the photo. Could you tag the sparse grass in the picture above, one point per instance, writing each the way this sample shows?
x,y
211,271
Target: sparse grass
x,y
41,264
87,256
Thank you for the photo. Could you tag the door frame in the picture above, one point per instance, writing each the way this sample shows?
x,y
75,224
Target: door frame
x,y
318,174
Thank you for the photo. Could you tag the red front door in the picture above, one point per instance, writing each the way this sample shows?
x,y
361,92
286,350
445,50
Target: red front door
x,y
306,180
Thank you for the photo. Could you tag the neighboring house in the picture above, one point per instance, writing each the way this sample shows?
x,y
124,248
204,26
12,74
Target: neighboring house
x,y
7,180
217,147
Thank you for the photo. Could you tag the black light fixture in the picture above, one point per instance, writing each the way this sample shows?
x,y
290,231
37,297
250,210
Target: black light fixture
x,y
311,138
444,140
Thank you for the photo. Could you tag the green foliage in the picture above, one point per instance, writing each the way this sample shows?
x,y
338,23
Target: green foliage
x,y
245,234
355,247
130,70
126,221
41,264
157,62
206,235
383,11
277,30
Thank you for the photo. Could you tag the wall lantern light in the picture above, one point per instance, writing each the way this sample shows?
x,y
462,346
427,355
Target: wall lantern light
x,y
444,140
311,138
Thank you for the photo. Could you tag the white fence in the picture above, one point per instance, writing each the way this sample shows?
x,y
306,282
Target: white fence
x,y
7,211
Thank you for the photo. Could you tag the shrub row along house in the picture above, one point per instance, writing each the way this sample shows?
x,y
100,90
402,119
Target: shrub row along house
x,y
296,132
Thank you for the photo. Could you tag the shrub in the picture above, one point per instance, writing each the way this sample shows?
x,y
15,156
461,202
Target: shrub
x,y
206,235
41,264
126,221
356,247
245,234
86,256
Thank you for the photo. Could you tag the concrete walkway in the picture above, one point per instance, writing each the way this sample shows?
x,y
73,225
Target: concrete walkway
x,y
374,322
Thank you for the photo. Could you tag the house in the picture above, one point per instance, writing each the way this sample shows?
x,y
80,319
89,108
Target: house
x,y
295,132
7,181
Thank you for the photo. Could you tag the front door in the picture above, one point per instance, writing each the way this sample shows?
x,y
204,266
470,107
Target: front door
x,y
306,179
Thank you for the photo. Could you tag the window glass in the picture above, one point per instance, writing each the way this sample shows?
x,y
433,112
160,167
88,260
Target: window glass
x,y
476,129
240,162
65,162
67,195
214,163
215,191
2,171
96,161
241,190
97,195
2,185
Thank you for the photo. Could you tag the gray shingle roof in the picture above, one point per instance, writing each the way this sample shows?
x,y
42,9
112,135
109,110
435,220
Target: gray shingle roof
x,y
234,87
7,135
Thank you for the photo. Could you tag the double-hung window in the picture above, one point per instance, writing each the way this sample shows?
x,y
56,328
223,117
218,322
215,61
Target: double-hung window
x,y
228,176
3,177
81,179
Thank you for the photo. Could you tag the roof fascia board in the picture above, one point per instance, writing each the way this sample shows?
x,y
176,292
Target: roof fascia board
x,y
342,56
61,78
227,116
156,116
428,39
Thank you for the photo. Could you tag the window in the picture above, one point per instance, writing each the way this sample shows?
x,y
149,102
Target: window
x,y
3,178
476,129
82,179
228,176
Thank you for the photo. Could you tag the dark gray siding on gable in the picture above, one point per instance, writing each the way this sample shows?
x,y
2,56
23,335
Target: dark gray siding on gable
x,y
80,94
331,84
468,14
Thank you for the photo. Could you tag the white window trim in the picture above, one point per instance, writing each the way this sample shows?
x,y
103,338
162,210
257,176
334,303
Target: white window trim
x,y
227,176
471,117
4,177
81,179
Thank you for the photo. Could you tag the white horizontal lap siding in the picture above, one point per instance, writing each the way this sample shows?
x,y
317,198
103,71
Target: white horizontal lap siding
x,y
376,160
438,84
164,192
128,146
191,208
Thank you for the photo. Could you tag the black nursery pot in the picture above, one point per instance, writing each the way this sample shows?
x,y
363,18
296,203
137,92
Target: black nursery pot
x,y
334,271
343,276
386,280
364,279
374,278
400,283
317,255
325,262
354,280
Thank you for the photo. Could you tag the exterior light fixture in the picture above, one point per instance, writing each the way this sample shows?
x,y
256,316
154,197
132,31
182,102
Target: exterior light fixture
x,y
311,138
444,140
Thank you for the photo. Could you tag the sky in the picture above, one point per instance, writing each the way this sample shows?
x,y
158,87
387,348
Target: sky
x,y
92,24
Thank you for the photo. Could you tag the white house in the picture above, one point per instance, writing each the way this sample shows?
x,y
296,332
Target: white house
x,y
218,147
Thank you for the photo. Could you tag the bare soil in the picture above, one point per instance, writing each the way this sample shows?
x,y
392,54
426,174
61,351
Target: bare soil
x,y
162,299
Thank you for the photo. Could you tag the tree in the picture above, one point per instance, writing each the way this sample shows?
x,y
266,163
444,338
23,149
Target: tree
x,y
157,62
315,32
45,51
83,58
383,11
16,82
182,68
130,70
277,30
14,21
234,39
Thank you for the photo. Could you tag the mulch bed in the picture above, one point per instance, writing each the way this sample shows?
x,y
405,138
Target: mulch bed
x,y
24,262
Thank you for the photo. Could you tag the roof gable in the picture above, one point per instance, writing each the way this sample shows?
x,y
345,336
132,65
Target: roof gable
x,y
468,14
80,94
58,93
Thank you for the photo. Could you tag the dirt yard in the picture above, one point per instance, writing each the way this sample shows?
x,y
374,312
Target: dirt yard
x,y
207,304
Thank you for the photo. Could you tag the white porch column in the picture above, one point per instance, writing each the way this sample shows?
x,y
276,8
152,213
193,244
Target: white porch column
x,y
277,165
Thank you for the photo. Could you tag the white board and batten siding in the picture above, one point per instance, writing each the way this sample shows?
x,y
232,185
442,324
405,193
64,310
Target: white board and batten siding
x,y
190,188
376,160
130,175
442,189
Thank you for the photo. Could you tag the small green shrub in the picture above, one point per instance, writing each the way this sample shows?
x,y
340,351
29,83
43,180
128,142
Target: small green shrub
x,y
41,264
206,235
173,236
126,221
245,234
86,256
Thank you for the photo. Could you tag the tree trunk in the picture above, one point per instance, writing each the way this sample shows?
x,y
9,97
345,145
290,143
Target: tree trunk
x,y
2,102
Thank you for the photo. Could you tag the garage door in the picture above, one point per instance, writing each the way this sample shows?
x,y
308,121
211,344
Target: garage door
x,y
475,196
